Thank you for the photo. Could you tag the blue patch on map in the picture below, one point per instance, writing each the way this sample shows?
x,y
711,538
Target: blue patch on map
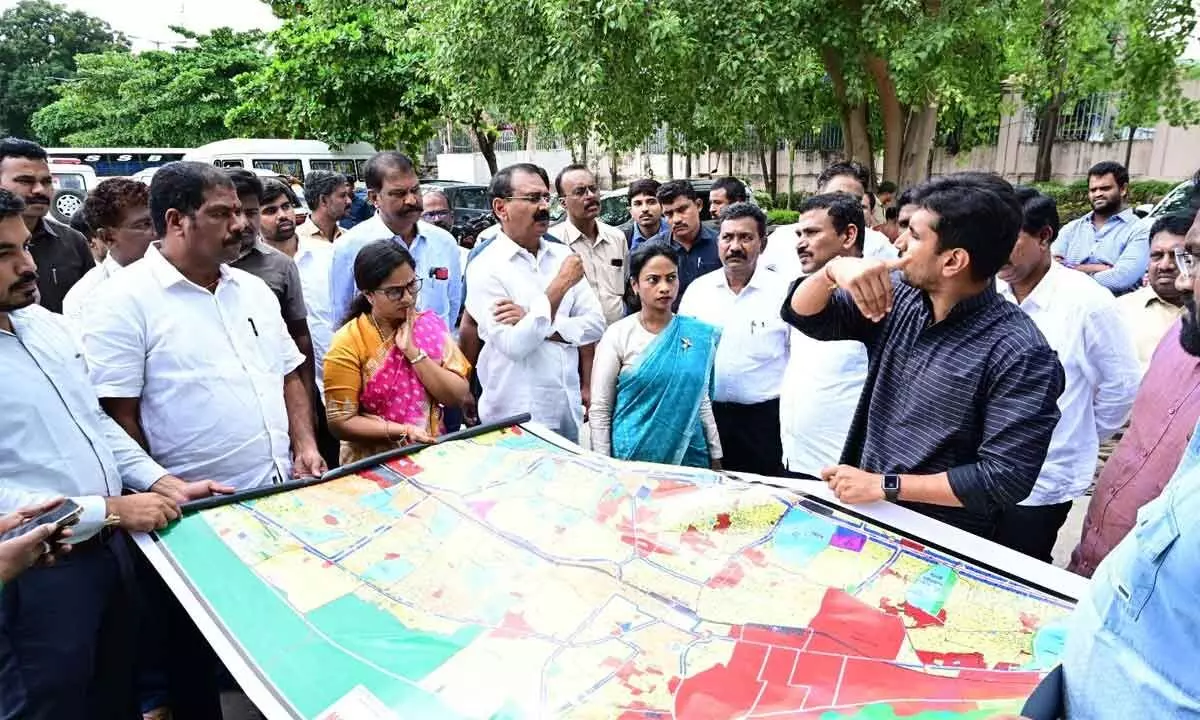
x,y
931,589
800,536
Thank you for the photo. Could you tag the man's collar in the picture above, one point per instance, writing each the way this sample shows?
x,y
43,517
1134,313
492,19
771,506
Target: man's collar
x,y
663,227
510,247
168,275
572,233
45,228
110,265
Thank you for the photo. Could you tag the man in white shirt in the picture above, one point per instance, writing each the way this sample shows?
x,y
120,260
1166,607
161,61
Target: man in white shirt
x,y
314,258
1082,324
841,177
55,623
533,308
824,380
191,356
118,211
743,299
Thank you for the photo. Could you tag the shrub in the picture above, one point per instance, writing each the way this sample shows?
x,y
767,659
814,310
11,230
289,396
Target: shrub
x,y
782,217
1072,198
763,199
792,201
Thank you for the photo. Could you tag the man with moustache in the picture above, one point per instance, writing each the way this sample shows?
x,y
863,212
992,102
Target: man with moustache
x,y
329,196
695,243
62,254
313,258
534,310
601,246
646,219
1110,243
725,191
1149,312
395,190
191,356
743,299
1129,640
823,380
851,178
67,646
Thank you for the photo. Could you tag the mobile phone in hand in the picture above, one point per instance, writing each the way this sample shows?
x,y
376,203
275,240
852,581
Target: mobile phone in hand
x,y
63,516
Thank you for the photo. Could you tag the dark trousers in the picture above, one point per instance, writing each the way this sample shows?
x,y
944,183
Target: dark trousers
x,y
750,437
1032,530
177,667
68,637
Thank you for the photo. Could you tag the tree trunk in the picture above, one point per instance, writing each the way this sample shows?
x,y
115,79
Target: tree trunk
x,y
916,146
531,140
765,168
613,175
894,117
856,140
774,187
687,164
730,162
1049,119
1129,147
670,155
486,141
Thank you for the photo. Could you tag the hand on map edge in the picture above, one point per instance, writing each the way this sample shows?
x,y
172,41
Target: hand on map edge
x,y
182,491
307,462
853,486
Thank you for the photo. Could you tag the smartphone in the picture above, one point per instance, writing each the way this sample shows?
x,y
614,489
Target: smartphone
x,y
63,516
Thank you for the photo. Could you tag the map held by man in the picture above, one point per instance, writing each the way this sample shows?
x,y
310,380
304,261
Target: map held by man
x,y
505,577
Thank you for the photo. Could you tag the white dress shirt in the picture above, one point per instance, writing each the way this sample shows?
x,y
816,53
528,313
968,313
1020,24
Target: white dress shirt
x,y
753,352
520,369
1081,322
208,367
314,259
821,389
82,291
780,253
54,438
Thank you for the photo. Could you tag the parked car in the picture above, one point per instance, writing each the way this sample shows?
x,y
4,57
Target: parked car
x,y
72,182
1178,199
469,201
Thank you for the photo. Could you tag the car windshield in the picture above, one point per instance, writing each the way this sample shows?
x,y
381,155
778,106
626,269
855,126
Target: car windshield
x,y
1176,200
469,198
68,182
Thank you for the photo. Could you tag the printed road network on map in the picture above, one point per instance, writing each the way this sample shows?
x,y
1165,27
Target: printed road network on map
x,y
505,577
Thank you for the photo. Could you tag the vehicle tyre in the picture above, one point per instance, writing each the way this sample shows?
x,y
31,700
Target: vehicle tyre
x,y
66,203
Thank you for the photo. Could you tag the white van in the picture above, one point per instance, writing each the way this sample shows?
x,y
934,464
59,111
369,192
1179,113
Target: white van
x,y
73,181
290,158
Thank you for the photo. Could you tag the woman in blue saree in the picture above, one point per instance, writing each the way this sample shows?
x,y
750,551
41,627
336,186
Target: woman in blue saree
x,y
652,374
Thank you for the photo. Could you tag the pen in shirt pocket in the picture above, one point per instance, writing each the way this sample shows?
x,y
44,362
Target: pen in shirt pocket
x,y
253,327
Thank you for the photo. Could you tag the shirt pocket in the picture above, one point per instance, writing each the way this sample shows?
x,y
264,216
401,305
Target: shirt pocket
x,y
1155,534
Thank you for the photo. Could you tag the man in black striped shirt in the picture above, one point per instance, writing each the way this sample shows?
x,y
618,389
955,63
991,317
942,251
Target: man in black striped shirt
x,y
962,388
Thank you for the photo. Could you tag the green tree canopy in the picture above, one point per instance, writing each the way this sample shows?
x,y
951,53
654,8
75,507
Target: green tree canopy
x,y
38,44
336,74
175,98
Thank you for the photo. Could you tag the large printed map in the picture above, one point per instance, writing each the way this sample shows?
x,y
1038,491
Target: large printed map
x,y
503,577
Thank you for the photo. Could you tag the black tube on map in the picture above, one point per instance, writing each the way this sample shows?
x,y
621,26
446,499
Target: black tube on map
x,y
349,469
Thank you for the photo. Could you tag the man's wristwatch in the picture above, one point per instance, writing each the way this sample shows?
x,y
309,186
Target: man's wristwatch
x,y
891,487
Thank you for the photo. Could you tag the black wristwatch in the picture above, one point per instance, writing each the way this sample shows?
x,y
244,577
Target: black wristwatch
x,y
891,487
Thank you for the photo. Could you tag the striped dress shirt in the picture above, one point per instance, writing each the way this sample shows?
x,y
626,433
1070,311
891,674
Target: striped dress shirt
x,y
974,396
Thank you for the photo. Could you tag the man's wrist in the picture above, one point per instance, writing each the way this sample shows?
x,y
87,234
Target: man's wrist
x,y
890,484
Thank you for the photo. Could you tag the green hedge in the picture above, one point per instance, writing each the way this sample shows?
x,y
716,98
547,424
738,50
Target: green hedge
x,y
1072,198
782,217
763,199
791,201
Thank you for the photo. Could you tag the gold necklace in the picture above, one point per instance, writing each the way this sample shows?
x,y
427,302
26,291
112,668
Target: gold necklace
x,y
375,323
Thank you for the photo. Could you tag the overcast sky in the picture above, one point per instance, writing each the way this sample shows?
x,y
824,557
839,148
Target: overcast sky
x,y
148,22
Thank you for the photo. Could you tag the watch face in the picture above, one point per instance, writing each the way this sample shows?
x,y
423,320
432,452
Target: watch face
x,y
891,482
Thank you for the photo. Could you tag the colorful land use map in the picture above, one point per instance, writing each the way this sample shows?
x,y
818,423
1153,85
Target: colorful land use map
x,y
504,577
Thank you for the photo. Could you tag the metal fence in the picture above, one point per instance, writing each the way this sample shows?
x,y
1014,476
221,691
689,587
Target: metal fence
x,y
1091,119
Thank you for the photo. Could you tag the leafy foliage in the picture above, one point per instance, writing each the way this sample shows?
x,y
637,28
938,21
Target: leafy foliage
x,y
159,98
38,44
334,74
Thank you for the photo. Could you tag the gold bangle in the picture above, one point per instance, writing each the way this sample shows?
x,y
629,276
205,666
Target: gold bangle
x,y
387,430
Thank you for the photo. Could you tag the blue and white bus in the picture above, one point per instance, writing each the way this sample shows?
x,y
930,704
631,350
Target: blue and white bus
x,y
119,162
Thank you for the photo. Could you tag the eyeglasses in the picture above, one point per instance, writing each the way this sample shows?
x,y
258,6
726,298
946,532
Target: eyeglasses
x,y
533,198
1186,261
396,293
581,192
436,214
